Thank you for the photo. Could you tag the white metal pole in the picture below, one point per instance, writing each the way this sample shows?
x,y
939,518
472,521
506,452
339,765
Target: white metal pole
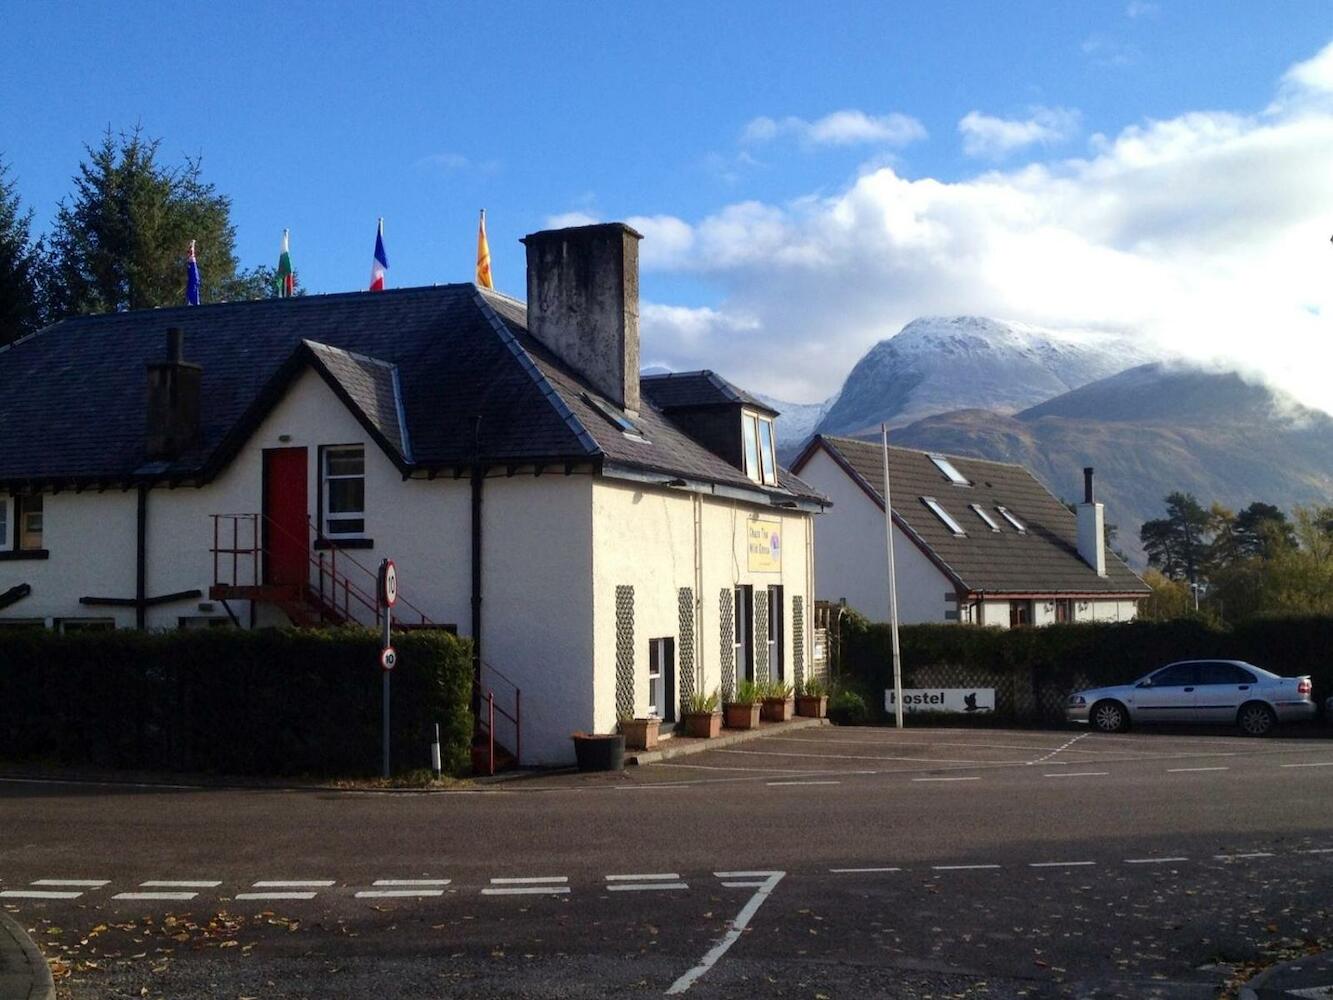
x,y
893,585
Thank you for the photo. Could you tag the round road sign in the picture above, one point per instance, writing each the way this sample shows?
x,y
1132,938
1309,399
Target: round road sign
x,y
388,658
388,583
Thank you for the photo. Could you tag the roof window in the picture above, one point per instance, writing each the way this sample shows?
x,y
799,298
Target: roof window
x,y
943,515
947,467
981,513
615,417
1018,525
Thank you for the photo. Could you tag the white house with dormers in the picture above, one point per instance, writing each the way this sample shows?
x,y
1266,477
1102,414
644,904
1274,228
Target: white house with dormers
x,y
612,543
977,542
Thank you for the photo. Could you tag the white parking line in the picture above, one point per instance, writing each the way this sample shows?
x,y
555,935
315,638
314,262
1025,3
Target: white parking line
x,y
1316,850
961,868
738,925
73,883
397,893
1188,770
1237,857
1060,864
155,895
779,784
551,885
294,884
1077,774
646,886
1152,861
275,895
858,871
656,877
181,884
38,894
1319,763
412,882
972,778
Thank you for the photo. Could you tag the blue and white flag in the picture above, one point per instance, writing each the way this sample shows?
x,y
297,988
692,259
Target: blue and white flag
x,y
192,279
381,261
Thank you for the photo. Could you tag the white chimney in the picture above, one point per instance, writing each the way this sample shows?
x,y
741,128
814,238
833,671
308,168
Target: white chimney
x,y
583,303
1091,528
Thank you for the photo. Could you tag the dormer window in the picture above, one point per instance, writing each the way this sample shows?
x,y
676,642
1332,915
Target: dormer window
x,y
761,463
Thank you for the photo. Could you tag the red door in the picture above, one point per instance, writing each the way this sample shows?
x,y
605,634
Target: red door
x,y
286,528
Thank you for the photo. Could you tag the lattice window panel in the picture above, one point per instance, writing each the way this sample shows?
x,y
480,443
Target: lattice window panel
x,y
726,647
624,652
798,639
760,637
685,648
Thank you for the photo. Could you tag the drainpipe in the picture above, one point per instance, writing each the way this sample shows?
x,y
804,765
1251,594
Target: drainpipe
x,y
478,477
141,562
700,676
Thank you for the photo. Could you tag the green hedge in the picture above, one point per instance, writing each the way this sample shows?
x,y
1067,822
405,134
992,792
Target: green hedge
x,y
273,702
1033,669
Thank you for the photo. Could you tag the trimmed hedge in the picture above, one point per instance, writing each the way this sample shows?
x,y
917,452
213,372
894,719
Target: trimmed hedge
x,y
272,702
1034,669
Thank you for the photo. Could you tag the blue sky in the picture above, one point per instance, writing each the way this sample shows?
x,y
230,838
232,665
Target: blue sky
x,y
709,123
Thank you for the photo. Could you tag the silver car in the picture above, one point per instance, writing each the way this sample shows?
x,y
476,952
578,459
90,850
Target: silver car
x,y
1216,691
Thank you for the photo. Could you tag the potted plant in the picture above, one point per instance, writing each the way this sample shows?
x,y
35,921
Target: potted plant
x,y
778,703
812,699
702,719
641,734
599,751
742,712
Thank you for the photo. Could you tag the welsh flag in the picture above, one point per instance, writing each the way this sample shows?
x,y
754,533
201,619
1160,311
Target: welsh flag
x,y
380,263
285,280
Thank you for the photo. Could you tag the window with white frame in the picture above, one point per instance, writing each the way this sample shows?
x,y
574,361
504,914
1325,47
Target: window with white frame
x,y
950,472
981,513
344,490
1008,515
943,515
759,442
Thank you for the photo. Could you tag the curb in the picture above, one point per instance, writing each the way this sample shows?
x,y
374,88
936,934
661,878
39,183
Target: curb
x,y
24,974
667,749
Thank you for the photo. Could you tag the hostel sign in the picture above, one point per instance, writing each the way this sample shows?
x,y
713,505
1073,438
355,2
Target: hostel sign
x,y
958,701
763,539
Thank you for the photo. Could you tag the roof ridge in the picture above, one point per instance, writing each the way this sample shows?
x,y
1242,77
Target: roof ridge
x,y
923,451
543,384
348,354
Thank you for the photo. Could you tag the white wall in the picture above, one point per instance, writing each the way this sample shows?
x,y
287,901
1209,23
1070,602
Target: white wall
x,y
851,560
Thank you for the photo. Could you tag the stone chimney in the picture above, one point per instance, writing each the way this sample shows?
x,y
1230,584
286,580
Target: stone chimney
x,y
173,401
583,303
1091,528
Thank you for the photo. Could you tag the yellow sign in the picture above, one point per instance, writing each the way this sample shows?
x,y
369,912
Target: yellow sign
x,y
764,542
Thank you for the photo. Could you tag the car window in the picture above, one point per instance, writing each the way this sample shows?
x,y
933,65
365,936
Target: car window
x,y
1176,675
1224,673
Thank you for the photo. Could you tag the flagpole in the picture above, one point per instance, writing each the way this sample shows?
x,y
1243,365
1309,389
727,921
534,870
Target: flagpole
x,y
893,585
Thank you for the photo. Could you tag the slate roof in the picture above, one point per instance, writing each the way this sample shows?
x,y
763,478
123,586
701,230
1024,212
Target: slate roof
x,y
687,390
1042,560
442,376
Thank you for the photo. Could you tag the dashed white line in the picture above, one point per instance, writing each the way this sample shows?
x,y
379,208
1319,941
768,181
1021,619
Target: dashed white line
x,y
1237,857
275,895
38,894
971,778
155,895
552,885
294,884
1152,861
961,868
1060,864
655,877
1077,774
428,883
397,893
73,883
1316,850
777,784
646,886
1189,770
180,884
1318,763
858,871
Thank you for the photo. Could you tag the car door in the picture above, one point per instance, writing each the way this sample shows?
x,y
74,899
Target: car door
x,y
1169,694
1222,688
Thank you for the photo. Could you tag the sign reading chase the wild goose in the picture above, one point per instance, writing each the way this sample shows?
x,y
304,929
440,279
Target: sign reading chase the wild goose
x,y
963,701
763,538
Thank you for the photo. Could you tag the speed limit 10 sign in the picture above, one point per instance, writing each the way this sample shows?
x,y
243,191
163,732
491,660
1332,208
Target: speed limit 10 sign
x,y
388,583
388,658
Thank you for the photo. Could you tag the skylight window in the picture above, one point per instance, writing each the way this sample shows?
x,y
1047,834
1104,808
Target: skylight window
x,y
943,515
1018,525
981,513
952,474
617,419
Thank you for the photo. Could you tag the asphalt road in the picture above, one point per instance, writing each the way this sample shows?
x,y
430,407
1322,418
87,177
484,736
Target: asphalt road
x,y
862,862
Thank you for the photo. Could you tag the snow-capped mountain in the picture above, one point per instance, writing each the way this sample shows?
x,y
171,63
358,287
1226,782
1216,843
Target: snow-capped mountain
x,y
795,424
939,364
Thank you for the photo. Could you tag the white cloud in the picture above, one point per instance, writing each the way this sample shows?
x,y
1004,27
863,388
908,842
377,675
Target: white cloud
x,y
453,162
1205,235
984,135
841,128
1141,8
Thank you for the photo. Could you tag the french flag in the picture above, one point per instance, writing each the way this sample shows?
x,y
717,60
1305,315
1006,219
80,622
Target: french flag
x,y
381,262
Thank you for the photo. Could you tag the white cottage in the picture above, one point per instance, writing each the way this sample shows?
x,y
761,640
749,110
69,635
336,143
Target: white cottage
x,y
612,543
974,541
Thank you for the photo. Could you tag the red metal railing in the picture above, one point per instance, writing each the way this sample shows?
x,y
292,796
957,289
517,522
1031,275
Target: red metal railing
x,y
514,718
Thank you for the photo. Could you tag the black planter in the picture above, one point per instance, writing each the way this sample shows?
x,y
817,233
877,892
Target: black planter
x,y
599,753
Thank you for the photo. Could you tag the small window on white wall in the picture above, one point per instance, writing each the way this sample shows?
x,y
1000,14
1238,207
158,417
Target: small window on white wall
x,y
344,490
28,513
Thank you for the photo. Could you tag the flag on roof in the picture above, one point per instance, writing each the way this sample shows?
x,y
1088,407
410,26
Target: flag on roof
x,y
483,256
192,279
285,279
380,263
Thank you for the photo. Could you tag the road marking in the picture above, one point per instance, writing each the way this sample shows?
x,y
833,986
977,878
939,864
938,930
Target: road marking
x,y
529,881
180,884
412,882
961,868
38,894
1057,750
1319,763
733,933
852,756
294,884
857,871
396,893
646,886
973,778
1236,857
658,877
155,895
1060,864
542,885
1188,770
777,784
73,883
1077,774
1152,861
275,895
1316,850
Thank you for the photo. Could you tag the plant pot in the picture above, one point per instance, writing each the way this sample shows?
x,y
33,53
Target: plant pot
x,y
597,752
641,734
814,706
703,725
778,709
741,716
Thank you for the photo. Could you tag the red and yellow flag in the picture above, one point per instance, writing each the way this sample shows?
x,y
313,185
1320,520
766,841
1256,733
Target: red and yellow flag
x,y
483,255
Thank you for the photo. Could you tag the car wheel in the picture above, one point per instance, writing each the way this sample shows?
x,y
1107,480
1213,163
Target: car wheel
x,y
1109,717
1256,719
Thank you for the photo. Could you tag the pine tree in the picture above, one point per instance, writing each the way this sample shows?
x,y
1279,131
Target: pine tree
x,y
21,266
